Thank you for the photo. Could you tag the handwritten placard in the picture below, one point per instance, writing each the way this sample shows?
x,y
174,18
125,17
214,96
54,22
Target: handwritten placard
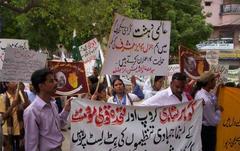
x,y
89,52
234,75
173,68
138,47
19,64
2,54
12,43
102,126
222,70
228,131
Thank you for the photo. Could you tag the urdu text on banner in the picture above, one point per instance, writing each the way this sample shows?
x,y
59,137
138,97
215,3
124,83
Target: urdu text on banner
x,y
228,130
12,43
89,52
109,127
138,47
19,64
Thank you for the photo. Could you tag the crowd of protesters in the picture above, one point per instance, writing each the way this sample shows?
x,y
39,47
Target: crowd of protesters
x,y
32,119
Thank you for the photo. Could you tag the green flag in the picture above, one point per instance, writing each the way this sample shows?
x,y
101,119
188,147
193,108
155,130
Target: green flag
x,y
98,62
75,52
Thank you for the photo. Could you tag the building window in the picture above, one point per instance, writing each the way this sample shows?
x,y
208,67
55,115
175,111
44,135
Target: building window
x,y
226,34
230,8
208,3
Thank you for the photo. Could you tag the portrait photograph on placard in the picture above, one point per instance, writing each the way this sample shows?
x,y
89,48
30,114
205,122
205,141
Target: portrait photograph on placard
x,y
71,77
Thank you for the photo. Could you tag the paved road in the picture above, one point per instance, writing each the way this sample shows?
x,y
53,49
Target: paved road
x,y
66,143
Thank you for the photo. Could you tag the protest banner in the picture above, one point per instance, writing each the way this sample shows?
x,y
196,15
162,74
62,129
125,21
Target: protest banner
x,y
212,57
89,67
138,47
222,70
228,131
234,75
12,43
2,54
173,68
192,63
139,79
1,133
19,64
235,54
90,52
109,127
71,77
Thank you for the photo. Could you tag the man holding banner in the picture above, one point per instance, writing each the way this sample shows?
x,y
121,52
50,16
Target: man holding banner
x,y
152,86
211,110
172,95
41,119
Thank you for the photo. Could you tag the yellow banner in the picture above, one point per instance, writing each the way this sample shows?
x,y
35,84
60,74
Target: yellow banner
x,y
234,54
228,133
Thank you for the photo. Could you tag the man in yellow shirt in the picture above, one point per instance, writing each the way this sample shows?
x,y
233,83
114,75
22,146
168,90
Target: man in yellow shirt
x,y
11,108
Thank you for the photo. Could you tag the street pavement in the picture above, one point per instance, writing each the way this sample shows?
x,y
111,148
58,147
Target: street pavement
x,y
66,142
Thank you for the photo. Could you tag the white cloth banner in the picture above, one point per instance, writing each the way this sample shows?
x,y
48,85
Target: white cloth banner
x,y
109,127
12,43
19,64
138,47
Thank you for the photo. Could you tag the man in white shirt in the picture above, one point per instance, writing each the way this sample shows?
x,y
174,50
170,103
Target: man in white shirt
x,y
172,95
152,86
211,110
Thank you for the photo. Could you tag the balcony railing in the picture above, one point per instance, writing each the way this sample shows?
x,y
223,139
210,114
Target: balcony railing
x,y
230,9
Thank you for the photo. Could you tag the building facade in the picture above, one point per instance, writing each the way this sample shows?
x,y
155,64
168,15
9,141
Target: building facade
x,y
224,16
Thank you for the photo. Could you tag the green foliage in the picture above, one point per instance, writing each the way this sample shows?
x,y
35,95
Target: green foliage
x,y
53,21
188,26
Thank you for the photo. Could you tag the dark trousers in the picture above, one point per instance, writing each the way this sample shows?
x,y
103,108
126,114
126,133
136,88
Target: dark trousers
x,y
208,135
12,144
57,149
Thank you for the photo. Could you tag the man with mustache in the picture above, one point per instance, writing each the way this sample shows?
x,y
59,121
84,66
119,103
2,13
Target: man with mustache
x,y
172,95
41,119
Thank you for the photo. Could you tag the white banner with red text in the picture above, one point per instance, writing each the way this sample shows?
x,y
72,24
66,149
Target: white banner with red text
x,y
109,127
90,52
138,47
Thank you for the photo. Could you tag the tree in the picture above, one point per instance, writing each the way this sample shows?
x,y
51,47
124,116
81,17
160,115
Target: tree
x,y
49,22
188,26
46,23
